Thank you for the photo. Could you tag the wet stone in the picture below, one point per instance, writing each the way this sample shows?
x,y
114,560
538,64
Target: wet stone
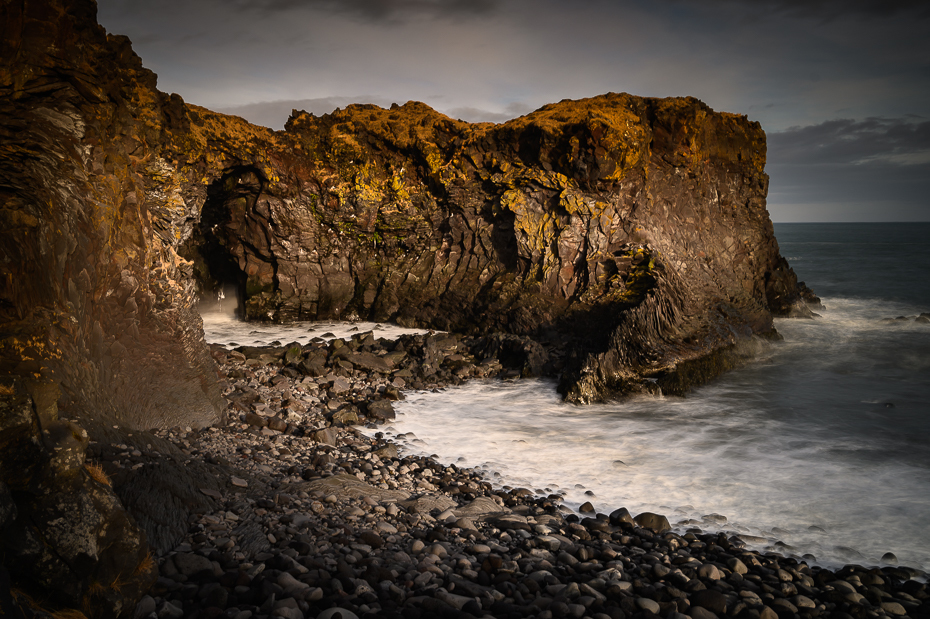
x,y
711,599
350,522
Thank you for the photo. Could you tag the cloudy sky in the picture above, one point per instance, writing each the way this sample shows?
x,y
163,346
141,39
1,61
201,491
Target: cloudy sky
x,y
842,87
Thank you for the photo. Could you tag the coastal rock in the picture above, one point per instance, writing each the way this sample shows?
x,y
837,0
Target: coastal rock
x,y
620,516
72,542
586,230
648,605
388,451
381,409
98,299
710,599
586,225
656,522
348,486
308,547
428,503
481,507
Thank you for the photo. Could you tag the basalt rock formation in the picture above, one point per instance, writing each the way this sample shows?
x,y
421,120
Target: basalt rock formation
x,y
629,232
635,229
632,229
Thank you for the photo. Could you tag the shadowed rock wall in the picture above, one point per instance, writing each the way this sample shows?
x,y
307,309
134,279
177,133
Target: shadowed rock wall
x,y
94,295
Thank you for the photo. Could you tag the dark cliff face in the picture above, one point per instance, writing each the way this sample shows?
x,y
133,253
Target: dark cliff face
x,y
94,295
634,230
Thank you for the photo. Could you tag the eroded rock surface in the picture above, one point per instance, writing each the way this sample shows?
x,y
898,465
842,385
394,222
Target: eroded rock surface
x,y
94,295
633,229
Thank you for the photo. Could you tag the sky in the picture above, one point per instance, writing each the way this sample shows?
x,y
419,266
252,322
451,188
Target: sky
x,y
841,87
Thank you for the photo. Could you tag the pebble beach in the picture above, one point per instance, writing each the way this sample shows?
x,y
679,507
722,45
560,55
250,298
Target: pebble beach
x,y
317,516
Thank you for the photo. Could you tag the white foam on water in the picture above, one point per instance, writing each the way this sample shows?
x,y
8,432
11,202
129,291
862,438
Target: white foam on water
x,y
820,445
221,325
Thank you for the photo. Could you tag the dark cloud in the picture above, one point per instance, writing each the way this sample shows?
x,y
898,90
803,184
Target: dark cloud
x,y
377,10
877,169
836,8
874,192
899,141
828,10
477,115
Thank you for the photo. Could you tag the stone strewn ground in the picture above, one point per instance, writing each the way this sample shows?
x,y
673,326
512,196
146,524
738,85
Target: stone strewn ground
x,y
313,516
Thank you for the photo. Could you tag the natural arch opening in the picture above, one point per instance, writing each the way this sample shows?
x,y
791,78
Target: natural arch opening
x,y
216,246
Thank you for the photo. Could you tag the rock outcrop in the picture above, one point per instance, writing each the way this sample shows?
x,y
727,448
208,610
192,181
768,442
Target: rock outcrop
x,y
634,229
62,528
94,295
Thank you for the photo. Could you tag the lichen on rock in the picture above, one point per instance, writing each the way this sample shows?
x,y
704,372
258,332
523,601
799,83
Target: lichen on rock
x,y
531,227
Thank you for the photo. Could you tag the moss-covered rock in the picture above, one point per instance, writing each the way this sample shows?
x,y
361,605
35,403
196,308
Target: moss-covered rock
x,y
631,231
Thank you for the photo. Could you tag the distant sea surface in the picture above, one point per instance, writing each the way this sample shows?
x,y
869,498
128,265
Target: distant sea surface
x,y
821,447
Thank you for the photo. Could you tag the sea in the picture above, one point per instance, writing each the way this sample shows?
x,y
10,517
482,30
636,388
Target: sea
x,y
819,448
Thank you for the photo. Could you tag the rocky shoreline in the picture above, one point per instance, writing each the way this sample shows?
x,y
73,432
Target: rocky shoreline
x,y
308,517
628,235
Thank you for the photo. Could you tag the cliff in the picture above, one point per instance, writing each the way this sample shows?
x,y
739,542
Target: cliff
x,y
635,229
627,234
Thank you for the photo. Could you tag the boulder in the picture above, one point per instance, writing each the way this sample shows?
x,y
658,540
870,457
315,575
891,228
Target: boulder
x,y
710,599
346,416
389,451
621,516
347,486
656,522
371,363
382,410
327,436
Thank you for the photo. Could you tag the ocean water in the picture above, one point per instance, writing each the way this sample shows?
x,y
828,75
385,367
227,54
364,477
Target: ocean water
x,y
221,326
820,447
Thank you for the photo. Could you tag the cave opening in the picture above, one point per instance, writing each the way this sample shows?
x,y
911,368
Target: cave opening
x,y
216,246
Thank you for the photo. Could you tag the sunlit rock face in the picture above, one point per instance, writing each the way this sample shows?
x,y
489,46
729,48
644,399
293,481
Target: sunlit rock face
x,y
631,232
94,294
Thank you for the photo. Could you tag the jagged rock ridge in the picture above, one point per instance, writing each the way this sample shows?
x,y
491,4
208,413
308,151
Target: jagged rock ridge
x,y
633,229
